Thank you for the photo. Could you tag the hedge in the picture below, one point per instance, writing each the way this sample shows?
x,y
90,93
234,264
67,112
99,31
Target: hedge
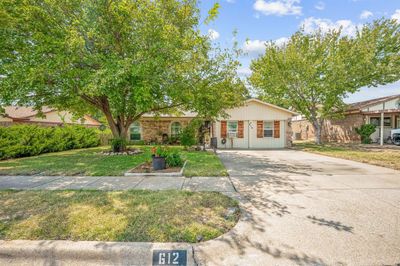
x,y
29,140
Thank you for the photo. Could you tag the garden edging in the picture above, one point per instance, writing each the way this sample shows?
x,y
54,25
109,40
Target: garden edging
x,y
180,173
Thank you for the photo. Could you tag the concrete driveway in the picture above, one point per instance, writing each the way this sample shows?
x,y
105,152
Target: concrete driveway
x,y
301,208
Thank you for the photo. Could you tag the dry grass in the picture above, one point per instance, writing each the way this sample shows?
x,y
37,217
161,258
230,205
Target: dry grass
x,y
372,154
164,216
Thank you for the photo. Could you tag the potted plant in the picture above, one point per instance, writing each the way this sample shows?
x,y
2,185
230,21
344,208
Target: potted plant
x,y
158,157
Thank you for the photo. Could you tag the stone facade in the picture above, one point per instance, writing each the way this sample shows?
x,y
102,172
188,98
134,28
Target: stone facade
x,y
153,129
334,130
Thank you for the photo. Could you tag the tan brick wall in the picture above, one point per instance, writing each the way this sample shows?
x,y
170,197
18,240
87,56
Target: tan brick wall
x,y
153,129
303,130
289,134
334,130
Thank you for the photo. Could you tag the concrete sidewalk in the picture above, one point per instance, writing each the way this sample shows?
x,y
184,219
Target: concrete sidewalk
x,y
297,209
219,184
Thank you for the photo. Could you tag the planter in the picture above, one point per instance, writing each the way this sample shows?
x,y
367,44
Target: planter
x,y
159,163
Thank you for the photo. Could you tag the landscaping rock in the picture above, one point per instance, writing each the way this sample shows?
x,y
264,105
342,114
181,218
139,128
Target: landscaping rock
x,y
129,152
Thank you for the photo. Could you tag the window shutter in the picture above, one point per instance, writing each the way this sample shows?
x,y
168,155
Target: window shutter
x,y
277,129
260,129
240,129
223,129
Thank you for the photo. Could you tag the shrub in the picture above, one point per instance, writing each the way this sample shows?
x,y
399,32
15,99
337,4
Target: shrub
x,y
188,135
118,144
174,159
29,140
365,131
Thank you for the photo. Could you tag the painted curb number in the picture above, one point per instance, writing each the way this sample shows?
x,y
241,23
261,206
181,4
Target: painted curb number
x,y
169,257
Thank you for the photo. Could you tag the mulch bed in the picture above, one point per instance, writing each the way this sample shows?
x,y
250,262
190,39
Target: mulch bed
x,y
147,168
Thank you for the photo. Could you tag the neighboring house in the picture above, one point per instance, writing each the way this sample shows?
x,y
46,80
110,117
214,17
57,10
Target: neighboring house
x,y
383,112
51,117
255,125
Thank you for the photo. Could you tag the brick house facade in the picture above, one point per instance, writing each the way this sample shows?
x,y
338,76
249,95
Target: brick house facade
x,y
334,130
383,112
254,125
153,129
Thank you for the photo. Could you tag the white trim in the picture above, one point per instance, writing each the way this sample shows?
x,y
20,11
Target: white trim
x,y
272,105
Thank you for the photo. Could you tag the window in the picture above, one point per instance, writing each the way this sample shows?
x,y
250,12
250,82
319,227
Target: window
x,y
268,129
135,131
232,129
387,122
176,129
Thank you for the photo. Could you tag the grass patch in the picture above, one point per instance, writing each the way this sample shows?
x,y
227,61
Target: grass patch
x,y
202,163
90,162
135,216
357,152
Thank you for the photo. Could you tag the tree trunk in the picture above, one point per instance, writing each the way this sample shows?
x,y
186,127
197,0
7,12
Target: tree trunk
x,y
317,124
119,130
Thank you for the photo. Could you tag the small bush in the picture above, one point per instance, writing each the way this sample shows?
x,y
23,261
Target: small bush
x,y
365,131
174,159
188,135
118,144
29,140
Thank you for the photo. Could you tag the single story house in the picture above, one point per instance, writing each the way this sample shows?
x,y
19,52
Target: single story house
x,y
51,117
383,112
254,125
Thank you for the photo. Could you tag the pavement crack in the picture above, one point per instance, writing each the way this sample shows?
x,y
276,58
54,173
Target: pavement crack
x,y
194,257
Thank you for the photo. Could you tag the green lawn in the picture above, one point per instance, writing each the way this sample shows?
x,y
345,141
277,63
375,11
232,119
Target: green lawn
x,y
90,162
385,157
163,216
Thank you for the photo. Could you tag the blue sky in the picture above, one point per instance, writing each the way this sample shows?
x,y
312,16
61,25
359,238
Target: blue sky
x,y
257,21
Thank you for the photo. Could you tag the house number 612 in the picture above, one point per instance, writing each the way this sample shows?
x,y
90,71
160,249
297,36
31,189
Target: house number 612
x,y
168,258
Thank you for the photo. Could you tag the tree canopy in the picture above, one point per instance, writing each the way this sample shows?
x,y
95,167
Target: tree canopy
x,y
124,58
313,73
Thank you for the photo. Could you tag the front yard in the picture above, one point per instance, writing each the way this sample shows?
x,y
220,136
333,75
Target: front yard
x,y
164,216
386,157
90,162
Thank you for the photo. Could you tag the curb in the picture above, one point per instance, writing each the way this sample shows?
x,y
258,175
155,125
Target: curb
x,y
60,252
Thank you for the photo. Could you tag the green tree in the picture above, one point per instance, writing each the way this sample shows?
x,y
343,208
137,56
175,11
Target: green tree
x,y
124,58
365,132
313,73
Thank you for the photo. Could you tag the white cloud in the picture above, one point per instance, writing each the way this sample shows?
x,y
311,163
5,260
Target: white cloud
x,y
312,24
366,14
254,47
278,7
281,41
320,5
257,47
396,15
230,1
213,34
244,72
